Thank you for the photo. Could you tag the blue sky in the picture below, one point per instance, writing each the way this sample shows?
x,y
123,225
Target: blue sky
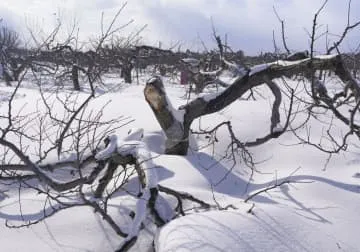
x,y
249,24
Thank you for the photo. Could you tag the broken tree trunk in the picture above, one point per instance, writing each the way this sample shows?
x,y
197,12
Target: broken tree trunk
x,y
176,132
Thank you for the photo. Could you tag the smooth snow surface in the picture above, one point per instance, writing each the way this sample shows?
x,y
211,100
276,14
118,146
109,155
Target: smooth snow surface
x,y
233,231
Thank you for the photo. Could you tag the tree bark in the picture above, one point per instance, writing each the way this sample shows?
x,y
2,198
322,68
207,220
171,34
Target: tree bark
x,y
177,135
75,77
7,77
126,73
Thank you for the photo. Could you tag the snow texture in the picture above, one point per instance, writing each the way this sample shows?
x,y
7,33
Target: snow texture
x,y
164,209
140,215
152,79
331,56
134,134
258,68
209,97
191,61
106,153
232,231
212,73
238,70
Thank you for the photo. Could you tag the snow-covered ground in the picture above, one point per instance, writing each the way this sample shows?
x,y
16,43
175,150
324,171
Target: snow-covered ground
x,y
318,211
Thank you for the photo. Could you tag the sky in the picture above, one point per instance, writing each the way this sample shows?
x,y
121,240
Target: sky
x,y
248,24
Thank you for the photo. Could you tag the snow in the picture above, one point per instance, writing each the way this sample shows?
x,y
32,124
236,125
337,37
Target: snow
x,y
258,68
318,212
277,128
145,159
106,153
288,63
227,78
261,67
134,134
330,56
164,208
209,97
153,79
132,144
141,210
237,69
233,231
191,61
211,73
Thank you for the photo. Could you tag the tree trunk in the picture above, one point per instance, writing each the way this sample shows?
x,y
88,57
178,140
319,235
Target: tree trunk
x,y
175,130
127,75
7,78
126,72
162,70
75,77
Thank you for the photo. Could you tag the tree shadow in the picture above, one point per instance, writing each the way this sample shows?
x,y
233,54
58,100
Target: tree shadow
x,y
132,186
227,182
155,141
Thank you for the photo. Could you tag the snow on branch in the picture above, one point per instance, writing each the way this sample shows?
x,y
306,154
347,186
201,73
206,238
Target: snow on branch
x,y
128,150
134,146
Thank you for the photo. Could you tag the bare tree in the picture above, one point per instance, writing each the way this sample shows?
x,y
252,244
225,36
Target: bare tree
x,y
11,58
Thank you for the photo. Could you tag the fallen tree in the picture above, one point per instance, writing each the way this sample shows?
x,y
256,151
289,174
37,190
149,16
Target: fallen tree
x,y
176,123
